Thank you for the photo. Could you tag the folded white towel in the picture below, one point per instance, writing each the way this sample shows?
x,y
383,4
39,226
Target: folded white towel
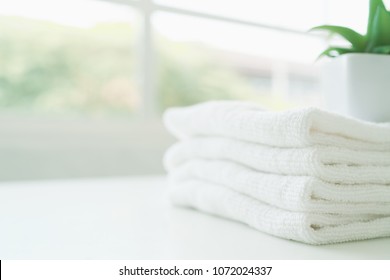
x,y
294,193
330,164
305,227
295,128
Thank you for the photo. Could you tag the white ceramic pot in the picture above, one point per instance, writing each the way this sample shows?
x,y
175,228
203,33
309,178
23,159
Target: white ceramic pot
x,y
358,85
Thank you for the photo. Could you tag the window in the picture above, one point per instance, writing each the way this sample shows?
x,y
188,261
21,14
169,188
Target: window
x,y
72,57
276,13
84,82
207,59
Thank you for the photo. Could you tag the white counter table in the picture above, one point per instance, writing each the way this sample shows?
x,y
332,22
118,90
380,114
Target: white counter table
x,y
131,218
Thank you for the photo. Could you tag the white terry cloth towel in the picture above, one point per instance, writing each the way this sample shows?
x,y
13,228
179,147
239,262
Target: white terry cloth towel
x,y
330,164
294,128
300,226
294,193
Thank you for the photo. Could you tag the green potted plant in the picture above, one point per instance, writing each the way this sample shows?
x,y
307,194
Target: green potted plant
x,y
356,81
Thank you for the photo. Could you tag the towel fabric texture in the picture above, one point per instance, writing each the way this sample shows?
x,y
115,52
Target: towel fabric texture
x,y
330,164
294,193
305,175
300,226
291,129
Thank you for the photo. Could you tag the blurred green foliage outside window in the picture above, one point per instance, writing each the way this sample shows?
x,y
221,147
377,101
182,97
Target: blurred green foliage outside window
x,y
48,68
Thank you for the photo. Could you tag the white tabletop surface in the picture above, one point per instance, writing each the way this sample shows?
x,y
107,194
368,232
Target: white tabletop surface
x,y
131,218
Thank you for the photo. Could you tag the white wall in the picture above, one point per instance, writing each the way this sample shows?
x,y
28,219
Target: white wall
x,y
48,149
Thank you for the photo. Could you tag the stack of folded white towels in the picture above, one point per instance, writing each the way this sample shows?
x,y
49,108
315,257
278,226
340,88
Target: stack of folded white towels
x,y
306,174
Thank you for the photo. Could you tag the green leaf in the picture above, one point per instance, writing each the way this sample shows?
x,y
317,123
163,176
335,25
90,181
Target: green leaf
x,y
379,34
374,5
335,51
382,49
357,40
